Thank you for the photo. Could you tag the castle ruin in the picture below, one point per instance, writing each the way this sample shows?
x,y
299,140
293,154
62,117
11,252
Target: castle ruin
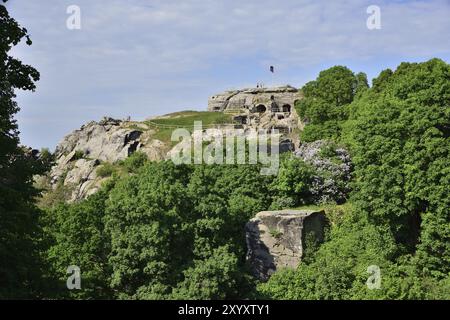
x,y
265,108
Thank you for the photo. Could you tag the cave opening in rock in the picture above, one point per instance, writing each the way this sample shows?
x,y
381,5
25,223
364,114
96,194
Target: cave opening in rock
x,y
286,108
261,108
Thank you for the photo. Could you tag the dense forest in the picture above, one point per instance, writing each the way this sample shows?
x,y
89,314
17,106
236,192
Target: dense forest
x,y
166,231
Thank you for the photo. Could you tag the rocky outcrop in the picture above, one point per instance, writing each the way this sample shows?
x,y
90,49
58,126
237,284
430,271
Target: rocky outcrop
x,y
110,140
253,98
278,239
106,140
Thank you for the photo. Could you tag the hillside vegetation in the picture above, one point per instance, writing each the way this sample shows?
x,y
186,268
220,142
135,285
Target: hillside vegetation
x,y
398,135
169,232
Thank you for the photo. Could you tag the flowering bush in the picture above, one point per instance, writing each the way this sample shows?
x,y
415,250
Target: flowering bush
x,y
332,166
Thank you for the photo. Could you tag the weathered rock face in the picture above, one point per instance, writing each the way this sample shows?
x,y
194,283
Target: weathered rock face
x,y
278,239
109,140
254,98
106,140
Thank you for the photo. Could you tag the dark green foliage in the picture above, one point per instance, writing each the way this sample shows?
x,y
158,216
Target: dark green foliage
x,y
20,266
145,215
225,197
292,184
78,155
335,86
166,232
216,277
361,83
154,234
398,134
381,81
323,105
399,138
75,236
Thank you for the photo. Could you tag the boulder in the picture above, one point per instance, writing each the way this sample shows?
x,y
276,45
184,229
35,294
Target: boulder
x,y
278,239
106,141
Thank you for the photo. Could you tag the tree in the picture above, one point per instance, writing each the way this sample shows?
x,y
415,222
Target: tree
x,y
75,235
399,135
225,198
212,278
293,181
19,230
361,83
380,82
335,85
147,216
323,105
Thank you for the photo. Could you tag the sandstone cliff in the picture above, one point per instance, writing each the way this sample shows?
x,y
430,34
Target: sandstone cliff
x,y
80,153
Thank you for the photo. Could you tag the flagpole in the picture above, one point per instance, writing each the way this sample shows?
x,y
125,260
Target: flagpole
x,y
272,70
273,78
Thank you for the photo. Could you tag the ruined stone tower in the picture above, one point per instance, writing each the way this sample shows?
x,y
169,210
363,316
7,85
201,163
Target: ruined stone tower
x,y
278,99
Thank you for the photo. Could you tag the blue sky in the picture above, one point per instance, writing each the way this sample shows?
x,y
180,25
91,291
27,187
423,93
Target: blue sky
x,y
141,58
